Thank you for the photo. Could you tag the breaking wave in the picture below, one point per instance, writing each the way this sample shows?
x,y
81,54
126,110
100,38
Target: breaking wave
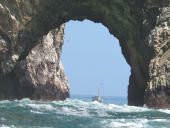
x,y
74,113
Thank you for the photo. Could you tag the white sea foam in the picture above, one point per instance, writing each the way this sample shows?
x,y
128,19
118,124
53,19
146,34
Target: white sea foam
x,y
165,111
125,108
25,100
41,106
4,101
98,114
70,111
93,109
5,126
125,123
36,112
117,108
160,120
78,107
128,124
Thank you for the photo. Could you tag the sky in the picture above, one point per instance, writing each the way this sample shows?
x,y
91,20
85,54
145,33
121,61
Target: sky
x,y
91,56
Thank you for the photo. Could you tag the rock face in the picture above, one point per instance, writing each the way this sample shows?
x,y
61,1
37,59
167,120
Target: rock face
x,y
158,89
32,34
42,73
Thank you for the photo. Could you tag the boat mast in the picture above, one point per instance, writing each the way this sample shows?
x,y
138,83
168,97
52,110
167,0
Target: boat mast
x,y
99,89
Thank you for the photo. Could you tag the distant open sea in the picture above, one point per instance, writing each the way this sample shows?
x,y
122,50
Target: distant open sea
x,y
80,112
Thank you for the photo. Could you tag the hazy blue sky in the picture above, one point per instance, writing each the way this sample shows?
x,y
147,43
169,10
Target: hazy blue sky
x,y
92,55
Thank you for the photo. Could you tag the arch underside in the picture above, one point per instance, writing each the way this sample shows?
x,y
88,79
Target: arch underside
x,y
31,45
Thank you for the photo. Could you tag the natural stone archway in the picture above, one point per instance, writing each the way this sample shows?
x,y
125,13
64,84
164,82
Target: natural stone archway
x,y
30,62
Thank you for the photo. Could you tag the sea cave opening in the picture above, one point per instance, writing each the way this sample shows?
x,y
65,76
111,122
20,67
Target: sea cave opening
x,y
91,56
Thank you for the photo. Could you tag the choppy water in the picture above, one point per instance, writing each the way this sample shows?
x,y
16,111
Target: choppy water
x,y
80,112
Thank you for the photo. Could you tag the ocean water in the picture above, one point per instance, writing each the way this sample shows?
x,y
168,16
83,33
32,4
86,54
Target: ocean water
x,y
80,112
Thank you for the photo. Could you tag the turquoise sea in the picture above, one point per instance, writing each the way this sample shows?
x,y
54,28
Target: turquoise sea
x,y
80,112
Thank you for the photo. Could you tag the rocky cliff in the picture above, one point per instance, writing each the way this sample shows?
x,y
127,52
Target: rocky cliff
x,y
40,75
31,39
157,92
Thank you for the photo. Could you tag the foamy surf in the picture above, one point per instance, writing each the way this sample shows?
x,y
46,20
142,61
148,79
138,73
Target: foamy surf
x,y
75,113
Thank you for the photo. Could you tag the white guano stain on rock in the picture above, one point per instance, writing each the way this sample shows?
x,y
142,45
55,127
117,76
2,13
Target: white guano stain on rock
x,y
1,6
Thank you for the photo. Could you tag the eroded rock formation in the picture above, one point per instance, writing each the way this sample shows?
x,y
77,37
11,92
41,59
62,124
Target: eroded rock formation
x,y
158,88
31,39
42,73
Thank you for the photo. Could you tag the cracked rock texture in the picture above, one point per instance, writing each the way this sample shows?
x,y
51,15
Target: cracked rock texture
x,y
32,35
158,90
42,71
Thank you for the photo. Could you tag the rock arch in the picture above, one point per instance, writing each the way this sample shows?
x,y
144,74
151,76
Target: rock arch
x,y
30,46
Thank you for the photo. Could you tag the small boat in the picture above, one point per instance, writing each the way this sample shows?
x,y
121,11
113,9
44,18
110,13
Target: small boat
x,y
97,98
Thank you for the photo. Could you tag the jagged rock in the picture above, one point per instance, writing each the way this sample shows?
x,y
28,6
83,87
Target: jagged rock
x,y
30,46
42,72
157,93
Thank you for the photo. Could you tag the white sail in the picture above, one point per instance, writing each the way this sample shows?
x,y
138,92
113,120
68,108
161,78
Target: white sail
x,y
98,97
